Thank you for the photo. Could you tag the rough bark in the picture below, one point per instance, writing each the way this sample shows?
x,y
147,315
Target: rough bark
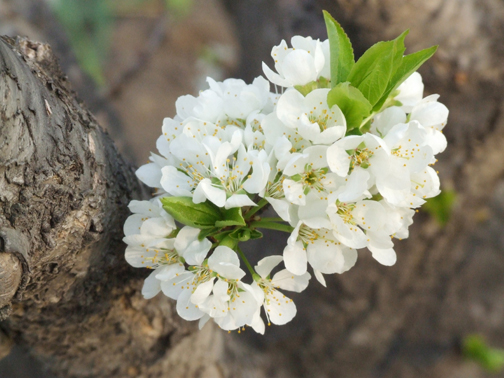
x,y
63,200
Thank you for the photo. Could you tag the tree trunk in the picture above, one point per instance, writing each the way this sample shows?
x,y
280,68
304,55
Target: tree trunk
x,y
64,198
73,300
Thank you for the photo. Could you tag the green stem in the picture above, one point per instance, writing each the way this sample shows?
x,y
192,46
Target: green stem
x,y
255,209
242,256
272,219
367,119
229,242
272,226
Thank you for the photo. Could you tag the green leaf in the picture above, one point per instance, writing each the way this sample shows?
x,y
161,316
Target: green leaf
x,y
181,8
256,234
88,25
232,217
373,71
221,236
184,210
409,64
342,56
207,232
241,234
352,103
440,207
475,348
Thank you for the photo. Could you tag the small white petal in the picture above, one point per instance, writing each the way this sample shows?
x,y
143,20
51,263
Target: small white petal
x,y
186,309
320,277
295,258
280,308
266,265
151,286
288,281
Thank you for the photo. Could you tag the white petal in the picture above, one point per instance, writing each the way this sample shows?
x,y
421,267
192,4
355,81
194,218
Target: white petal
x,y
133,224
289,108
280,308
205,190
185,237
150,174
274,77
386,257
186,309
243,308
151,286
174,287
202,291
320,277
196,252
156,227
167,272
223,255
175,182
350,256
299,68
266,265
203,321
294,192
295,258
324,257
257,323
338,160
356,185
281,207
239,200
288,281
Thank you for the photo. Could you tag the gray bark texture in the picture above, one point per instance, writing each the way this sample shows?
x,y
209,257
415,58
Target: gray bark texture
x,y
64,196
67,294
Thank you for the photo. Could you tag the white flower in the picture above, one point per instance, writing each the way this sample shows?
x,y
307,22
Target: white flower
x,y
311,117
433,116
150,173
279,308
362,224
317,245
148,218
231,304
410,92
306,172
299,65
209,170
165,256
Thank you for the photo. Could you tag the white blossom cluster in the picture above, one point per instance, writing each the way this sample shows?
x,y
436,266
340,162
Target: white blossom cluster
x,y
236,145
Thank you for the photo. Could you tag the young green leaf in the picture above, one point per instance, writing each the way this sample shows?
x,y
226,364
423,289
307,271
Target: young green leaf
x,y
241,234
184,210
373,71
340,47
409,64
232,217
255,234
352,103
207,232
440,207
474,347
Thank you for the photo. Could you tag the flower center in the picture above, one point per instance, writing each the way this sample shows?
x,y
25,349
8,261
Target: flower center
x,y
308,235
161,257
321,120
345,212
311,178
359,158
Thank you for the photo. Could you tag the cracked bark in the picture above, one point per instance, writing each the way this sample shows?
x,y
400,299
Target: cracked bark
x,y
64,193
